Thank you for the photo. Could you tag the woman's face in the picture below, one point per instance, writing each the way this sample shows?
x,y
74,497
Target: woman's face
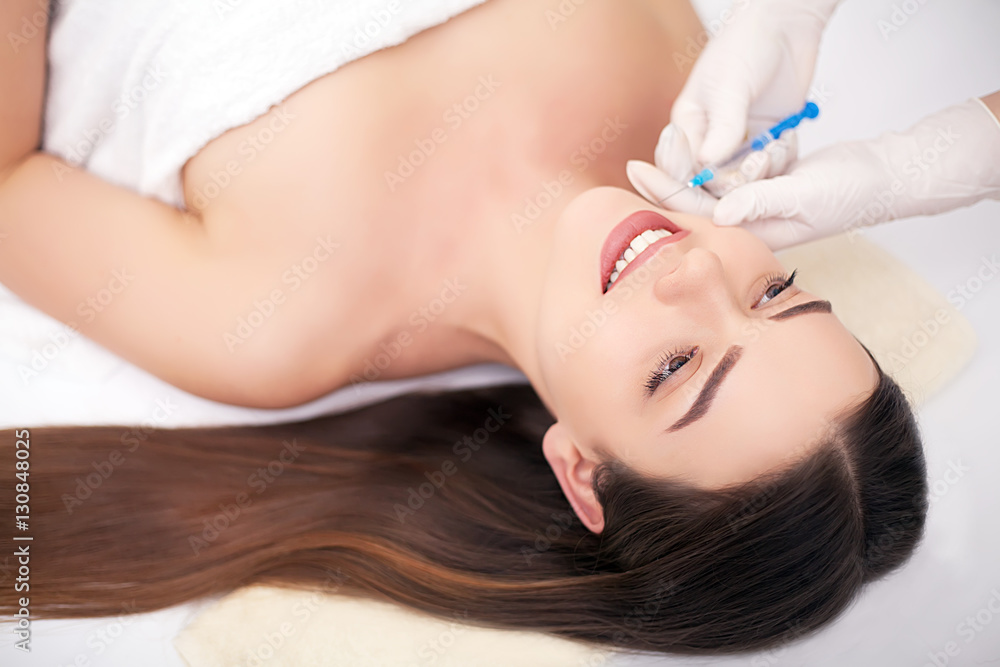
x,y
691,365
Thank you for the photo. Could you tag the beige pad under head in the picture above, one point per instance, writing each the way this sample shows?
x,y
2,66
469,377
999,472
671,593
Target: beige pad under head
x,y
916,335
912,330
264,626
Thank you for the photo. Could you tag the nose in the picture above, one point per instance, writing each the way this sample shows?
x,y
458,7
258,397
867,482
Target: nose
x,y
699,279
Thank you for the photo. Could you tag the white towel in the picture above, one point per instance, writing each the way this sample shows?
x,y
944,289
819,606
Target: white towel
x,y
137,87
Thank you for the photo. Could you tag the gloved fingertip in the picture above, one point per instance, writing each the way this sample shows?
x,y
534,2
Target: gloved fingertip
x,y
754,166
710,154
667,136
647,180
720,143
673,154
732,210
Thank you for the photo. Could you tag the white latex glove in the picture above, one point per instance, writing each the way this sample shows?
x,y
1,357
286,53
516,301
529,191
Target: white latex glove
x,y
948,160
760,64
675,167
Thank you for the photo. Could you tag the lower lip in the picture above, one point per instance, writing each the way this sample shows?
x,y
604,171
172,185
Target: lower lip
x,y
628,229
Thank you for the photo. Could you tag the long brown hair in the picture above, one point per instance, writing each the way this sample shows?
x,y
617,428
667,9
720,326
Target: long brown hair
x,y
445,503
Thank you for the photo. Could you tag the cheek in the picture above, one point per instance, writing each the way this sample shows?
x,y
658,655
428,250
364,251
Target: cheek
x,y
570,308
740,249
596,355
587,364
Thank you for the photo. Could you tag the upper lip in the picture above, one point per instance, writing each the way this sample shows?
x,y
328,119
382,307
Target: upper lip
x,y
624,232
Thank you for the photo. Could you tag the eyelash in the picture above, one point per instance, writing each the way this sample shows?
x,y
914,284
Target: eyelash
x,y
662,371
783,280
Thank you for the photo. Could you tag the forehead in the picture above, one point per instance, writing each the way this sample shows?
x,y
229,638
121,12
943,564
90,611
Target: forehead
x,y
775,405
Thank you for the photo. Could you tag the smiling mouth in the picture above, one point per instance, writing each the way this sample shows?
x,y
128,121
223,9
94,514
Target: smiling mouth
x,y
633,241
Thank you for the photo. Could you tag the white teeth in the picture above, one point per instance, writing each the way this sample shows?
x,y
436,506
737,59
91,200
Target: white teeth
x,y
638,244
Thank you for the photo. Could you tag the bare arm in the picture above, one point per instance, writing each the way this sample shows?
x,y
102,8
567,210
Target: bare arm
x,y
139,277
22,82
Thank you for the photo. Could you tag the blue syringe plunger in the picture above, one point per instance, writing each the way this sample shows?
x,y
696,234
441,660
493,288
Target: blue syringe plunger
x,y
810,110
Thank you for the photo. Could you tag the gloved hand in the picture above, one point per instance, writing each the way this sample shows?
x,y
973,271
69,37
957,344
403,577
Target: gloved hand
x,y
759,65
948,160
675,167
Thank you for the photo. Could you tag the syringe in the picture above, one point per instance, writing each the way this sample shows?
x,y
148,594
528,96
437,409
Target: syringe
x,y
810,110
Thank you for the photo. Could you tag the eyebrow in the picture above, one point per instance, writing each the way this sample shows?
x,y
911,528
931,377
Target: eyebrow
x,y
705,397
802,308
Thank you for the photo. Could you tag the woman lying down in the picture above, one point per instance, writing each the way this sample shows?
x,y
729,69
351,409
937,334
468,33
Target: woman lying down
x,y
705,459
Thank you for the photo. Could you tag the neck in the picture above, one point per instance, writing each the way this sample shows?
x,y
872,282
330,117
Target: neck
x,y
472,294
512,245
481,211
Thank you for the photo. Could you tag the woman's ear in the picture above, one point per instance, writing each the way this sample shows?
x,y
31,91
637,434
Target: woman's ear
x,y
574,472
